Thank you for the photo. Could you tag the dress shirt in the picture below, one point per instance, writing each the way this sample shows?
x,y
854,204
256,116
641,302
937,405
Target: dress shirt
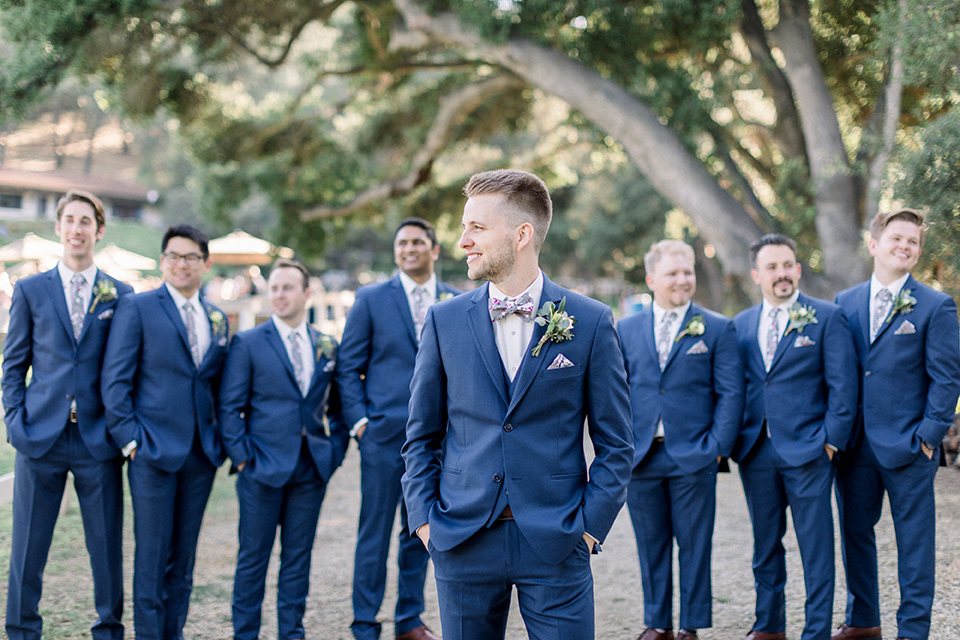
x,y
894,289
513,333
306,347
86,291
782,319
658,313
199,317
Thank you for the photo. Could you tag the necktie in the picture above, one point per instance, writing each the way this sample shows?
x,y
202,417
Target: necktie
x,y
76,304
773,337
419,309
880,311
663,337
296,358
191,323
521,305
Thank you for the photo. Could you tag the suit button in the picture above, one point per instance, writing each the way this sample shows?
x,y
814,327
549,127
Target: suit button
x,y
866,374
69,396
497,477
508,427
766,384
661,391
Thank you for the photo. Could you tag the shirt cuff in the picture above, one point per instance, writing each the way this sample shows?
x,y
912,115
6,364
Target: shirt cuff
x,y
127,450
359,424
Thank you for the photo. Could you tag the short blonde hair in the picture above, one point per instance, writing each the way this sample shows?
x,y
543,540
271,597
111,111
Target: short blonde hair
x,y
666,247
882,220
525,192
76,195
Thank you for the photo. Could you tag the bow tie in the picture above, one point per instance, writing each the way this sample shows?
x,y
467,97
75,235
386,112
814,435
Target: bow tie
x,y
522,306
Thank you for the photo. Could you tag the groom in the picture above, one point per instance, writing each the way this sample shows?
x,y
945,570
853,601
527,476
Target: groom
x,y
496,481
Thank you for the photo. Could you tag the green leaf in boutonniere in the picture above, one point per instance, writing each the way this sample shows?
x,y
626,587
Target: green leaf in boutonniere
x,y
800,316
217,322
694,328
326,347
903,303
558,323
446,295
103,291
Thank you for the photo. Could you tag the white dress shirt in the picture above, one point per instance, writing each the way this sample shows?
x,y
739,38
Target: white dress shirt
x,y
306,347
199,317
875,287
86,291
658,313
513,333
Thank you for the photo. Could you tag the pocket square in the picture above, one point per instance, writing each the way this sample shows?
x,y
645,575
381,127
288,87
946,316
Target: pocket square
x,y
803,341
223,341
560,362
906,328
329,366
106,315
699,347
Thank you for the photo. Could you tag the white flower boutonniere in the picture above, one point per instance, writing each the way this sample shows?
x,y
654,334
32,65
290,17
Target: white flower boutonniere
x,y
558,323
217,322
104,291
903,303
800,316
446,295
326,348
694,328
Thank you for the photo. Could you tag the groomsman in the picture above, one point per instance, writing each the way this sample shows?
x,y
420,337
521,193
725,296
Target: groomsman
x,y
283,431
686,391
496,481
161,371
801,400
376,364
59,322
909,354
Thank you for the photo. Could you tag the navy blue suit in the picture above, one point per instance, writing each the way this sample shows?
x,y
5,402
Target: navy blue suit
x,y
910,382
291,443
477,444
672,493
375,367
807,400
156,395
48,446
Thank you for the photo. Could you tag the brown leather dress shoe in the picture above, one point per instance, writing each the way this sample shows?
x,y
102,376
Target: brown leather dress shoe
x,y
418,633
846,632
653,634
763,635
687,634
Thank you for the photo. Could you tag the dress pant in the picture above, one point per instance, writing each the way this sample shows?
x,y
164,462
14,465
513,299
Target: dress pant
x,y
666,502
37,493
294,508
167,514
771,485
860,485
475,580
380,492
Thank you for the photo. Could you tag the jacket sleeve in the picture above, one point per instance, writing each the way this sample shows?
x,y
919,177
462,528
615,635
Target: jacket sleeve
x,y
729,387
17,358
235,385
841,374
942,359
121,360
352,359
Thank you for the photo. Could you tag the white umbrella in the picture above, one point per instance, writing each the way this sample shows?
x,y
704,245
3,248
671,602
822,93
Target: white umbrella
x,y
241,248
114,259
33,248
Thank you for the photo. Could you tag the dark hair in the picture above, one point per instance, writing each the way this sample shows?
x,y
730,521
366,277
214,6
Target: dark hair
x,y
189,232
771,239
76,195
526,192
881,220
284,263
420,223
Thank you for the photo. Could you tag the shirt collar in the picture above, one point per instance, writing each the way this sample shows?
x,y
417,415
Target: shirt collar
x,y
765,311
894,287
659,312
285,330
179,298
409,284
535,291
66,273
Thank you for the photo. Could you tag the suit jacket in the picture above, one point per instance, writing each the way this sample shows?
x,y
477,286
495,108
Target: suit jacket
x,y
263,414
153,391
698,395
910,374
376,359
64,369
809,396
468,434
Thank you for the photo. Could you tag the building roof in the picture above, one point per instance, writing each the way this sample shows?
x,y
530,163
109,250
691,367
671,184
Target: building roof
x,y
59,182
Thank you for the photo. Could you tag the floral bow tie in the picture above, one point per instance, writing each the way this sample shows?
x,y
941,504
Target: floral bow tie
x,y
522,306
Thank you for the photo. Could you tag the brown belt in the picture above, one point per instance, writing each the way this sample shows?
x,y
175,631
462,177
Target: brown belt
x,y
658,439
73,416
506,514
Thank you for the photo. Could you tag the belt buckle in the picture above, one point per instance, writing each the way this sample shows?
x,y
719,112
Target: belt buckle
x,y
73,416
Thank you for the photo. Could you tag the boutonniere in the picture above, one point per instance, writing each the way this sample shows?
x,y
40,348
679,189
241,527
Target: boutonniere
x,y
694,328
800,316
903,303
217,322
326,347
446,295
106,291
558,323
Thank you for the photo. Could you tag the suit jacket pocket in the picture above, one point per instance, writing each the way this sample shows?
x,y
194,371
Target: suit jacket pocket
x,y
562,372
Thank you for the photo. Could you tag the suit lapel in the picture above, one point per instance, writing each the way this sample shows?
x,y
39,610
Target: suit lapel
x,y
399,297
753,336
276,343
170,308
314,342
648,334
784,338
531,365
675,346
862,300
88,316
910,283
56,293
482,329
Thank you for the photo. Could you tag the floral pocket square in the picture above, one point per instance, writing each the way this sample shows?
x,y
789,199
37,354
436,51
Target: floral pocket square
x,y
560,362
327,368
106,315
698,348
804,341
906,328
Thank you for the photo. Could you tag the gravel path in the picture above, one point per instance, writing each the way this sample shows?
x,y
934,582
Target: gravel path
x,y
616,572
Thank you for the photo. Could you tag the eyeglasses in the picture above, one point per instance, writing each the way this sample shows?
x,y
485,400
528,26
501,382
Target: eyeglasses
x,y
192,259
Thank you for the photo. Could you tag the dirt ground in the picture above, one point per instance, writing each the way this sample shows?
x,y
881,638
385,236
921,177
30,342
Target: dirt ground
x,y
67,602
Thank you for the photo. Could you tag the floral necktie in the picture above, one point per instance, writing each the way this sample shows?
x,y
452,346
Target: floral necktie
x,y
773,337
663,337
296,358
191,322
76,304
880,311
